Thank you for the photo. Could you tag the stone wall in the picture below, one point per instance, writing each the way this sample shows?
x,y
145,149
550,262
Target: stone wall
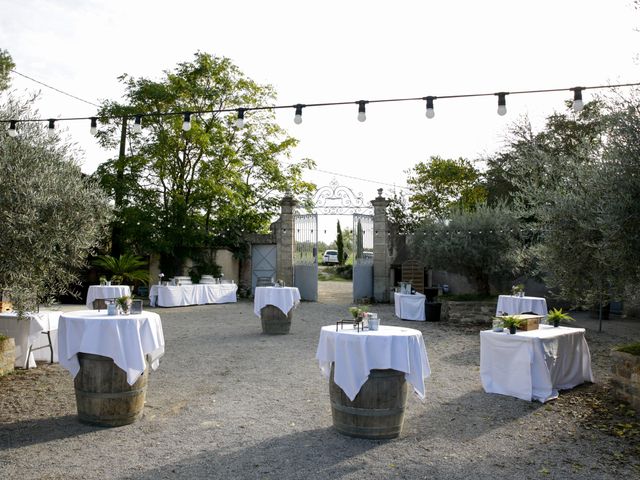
x,y
625,377
7,355
468,312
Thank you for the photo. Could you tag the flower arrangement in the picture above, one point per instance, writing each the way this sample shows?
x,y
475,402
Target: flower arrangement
x,y
103,280
518,289
124,303
160,277
358,313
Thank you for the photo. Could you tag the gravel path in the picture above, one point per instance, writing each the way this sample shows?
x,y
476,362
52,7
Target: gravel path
x,y
229,402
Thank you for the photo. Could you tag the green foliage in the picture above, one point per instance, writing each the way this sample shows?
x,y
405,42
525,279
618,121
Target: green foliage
x,y
340,244
181,191
442,184
126,267
480,244
52,216
124,303
556,314
575,182
6,65
633,348
511,321
539,157
400,214
358,311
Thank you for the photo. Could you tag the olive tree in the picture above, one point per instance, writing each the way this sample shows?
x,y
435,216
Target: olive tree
x,y
481,244
52,216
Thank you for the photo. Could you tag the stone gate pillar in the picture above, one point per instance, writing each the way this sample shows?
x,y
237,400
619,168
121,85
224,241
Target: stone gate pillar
x,y
381,261
285,237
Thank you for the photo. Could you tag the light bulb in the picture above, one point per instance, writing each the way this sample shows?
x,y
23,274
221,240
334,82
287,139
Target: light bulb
x,y
94,126
240,120
578,105
362,115
502,103
12,129
52,128
137,124
430,112
186,124
297,119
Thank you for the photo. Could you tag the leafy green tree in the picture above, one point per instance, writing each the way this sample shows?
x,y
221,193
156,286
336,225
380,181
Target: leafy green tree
x,y
6,65
52,216
589,213
179,191
537,157
340,244
482,244
440,184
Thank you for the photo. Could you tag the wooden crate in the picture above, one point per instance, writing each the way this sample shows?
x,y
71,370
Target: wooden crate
x,y
529,322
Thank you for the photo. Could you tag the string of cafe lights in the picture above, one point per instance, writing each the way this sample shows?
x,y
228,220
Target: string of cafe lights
x,y
298,108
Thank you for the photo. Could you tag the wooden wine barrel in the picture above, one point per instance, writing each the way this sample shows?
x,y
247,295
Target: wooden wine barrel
x,y
274,322
103,396
377,412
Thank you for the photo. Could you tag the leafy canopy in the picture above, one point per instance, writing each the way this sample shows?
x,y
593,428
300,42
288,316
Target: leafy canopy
x,y
177,192
440,184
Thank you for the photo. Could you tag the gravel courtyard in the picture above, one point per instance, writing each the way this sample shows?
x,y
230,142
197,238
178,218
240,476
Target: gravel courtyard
x,y
228,402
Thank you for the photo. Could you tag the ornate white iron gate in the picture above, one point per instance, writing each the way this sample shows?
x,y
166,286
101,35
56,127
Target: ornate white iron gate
x,y
362,256
305,256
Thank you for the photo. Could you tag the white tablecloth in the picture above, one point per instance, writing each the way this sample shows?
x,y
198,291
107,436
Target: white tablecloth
x,y
285,298
512,305
356,353
127,339
409,307
199,294
28,333
534,364
106,292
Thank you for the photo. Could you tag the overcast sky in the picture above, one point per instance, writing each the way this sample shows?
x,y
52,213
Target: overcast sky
x,y
337,51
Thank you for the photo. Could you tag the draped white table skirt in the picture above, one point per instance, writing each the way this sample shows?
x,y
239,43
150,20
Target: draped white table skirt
x,y
199,294
127,339
105,292
28,333
285,298
512,305
355,354
410,307
535,364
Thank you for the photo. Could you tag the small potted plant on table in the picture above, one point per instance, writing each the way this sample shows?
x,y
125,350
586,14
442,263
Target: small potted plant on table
x,y
556,315
511,322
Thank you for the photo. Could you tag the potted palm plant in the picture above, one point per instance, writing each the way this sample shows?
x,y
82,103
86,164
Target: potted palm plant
x,y
126,267
511,322
556,315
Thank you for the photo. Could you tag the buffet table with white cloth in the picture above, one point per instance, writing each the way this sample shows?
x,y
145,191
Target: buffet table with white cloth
x,y
127,339
513,305
534,364
198,294
106,292
355,354
28,333
410,307
285,298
